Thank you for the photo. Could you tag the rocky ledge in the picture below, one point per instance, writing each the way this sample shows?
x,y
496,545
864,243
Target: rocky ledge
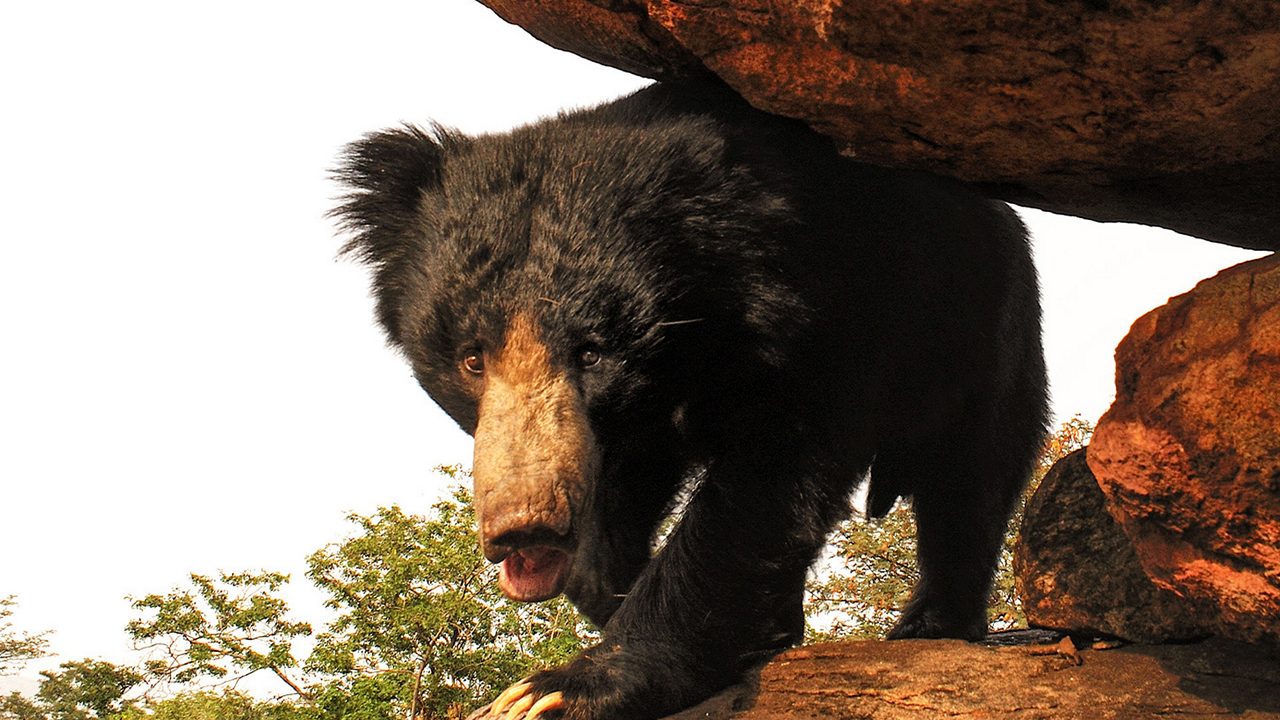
x,y
877,680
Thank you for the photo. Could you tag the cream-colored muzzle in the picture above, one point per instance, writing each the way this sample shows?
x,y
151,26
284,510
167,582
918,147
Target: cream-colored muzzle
x,y
535,453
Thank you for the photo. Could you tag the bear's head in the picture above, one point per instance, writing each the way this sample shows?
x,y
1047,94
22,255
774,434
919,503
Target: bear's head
x,y
563,293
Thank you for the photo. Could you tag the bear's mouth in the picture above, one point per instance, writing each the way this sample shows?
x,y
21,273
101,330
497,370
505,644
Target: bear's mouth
x,y
534,573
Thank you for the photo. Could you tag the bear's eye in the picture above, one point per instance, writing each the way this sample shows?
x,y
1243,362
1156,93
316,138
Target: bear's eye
x,y
589,357
474,363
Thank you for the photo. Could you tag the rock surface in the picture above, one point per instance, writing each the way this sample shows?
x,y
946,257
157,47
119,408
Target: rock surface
x,y
877,680
1158,113
1077,570
1189,454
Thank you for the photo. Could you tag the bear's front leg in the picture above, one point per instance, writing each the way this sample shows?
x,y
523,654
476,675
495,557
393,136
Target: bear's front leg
x,y
723,595
606,681
616,533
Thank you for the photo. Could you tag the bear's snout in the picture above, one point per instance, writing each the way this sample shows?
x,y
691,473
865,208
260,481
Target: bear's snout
x,y
526,524
535,455
506,528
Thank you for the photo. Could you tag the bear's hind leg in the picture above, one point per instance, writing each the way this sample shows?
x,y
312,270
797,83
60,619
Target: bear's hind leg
x,y
962,500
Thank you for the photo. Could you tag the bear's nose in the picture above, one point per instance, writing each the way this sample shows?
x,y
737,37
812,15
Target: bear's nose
x,y
503,536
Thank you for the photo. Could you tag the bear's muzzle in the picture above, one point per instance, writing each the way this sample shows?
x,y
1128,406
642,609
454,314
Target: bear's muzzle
x,y
535,456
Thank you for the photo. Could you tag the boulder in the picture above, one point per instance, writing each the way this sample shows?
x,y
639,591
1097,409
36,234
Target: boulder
x,y
1077,571
1188,456
1158,113
878,680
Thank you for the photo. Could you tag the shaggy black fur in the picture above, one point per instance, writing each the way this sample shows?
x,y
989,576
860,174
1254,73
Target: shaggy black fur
x,y
770,316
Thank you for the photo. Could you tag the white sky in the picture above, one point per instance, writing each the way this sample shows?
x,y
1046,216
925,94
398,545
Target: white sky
x,y
189,381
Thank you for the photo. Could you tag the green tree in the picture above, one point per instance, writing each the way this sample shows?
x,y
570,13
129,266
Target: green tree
x,y
16,707
81,690
16,648
225,705
858,593
234,623
422,629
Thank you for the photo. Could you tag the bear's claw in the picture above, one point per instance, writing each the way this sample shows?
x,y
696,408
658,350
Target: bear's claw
x,y
552,701
509,697
519,703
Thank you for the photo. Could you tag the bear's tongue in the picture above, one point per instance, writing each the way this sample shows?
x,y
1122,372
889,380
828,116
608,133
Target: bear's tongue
x,y
534,573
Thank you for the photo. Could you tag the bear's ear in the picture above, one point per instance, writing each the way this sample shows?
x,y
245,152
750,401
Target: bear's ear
x,y
387,173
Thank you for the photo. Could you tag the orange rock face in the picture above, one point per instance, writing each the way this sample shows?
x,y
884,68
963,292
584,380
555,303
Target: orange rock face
x,y
1160,113
1189,454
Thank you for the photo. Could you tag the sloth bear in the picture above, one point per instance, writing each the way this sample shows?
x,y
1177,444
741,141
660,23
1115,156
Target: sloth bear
x,y
674,291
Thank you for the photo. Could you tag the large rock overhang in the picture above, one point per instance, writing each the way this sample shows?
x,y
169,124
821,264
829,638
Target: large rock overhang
x,y
1160,113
